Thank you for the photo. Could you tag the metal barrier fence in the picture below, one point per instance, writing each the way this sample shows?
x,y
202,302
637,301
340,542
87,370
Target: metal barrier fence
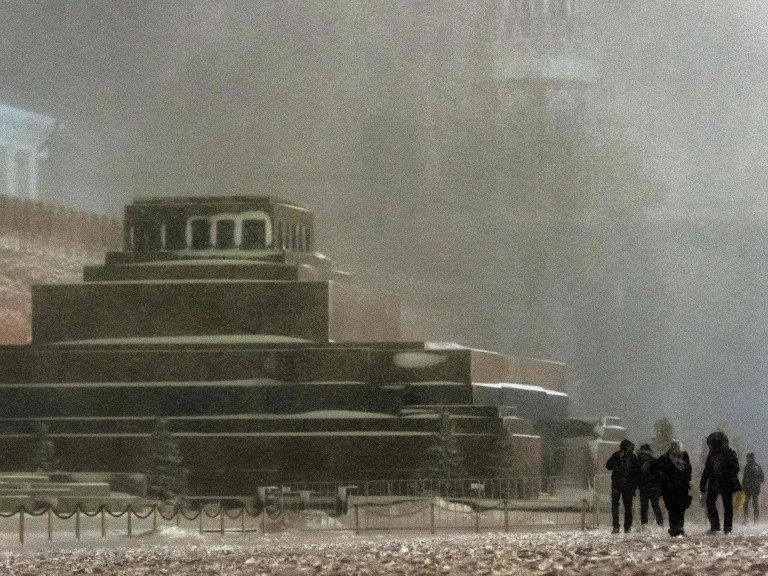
x,y
439,514
395,505
333,497
428,514
45,522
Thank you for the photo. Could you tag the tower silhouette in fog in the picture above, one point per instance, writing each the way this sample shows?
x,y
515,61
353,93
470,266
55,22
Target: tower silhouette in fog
x,y
535,87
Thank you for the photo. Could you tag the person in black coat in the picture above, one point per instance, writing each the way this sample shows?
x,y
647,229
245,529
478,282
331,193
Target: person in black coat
x,y
673,469
750,483
625,471
648,487
720,478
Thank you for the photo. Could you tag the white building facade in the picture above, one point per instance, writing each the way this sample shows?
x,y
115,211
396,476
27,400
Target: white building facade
x,y
24,138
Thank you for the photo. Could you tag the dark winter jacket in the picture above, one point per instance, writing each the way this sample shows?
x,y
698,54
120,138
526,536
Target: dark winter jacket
x,y
752,478
721,470
674,481
625,468
647,480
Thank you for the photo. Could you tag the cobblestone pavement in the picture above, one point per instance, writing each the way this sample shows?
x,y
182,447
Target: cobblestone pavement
x,y
556,553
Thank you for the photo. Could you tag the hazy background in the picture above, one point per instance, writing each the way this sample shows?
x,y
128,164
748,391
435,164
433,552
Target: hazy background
x,y
619,226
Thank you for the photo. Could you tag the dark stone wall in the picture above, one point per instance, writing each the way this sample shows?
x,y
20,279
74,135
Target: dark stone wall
x,y
165,400
377,364
237,465
114,310
301,363
420,366
293,379
337,423
236,270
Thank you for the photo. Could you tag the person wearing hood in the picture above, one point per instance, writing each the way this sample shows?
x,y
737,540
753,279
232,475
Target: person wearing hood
x,y
625,471
648,487
720,478
673,470
750,482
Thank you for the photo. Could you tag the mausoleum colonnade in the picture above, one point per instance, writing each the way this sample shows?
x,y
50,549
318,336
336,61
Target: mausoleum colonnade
x,y
251,230
23,143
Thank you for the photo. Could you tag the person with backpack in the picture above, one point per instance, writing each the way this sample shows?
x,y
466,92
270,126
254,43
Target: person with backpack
x,y
648,487
625,470
750,483
720,478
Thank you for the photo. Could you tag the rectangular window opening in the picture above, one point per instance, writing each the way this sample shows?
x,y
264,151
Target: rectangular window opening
x,y
225,234
148,237
175,235
254,235
201,234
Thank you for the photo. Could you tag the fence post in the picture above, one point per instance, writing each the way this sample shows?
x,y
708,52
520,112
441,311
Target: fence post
x,y
595,504
77,523
477,520
242,520
50,524
357,520
21,525
177,513
103,522
130,521
264,519
202,511
584,514
506,515
154,518
432,518
221,513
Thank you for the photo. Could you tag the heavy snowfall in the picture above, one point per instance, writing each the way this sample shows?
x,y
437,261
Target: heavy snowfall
x,y
594,552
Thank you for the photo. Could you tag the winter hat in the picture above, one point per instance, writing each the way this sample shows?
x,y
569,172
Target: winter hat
x,y
717,441
645,448
625,444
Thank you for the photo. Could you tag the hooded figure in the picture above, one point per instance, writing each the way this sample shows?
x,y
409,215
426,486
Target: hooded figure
x,y
750,483
625,472
673,469
648,487
720,478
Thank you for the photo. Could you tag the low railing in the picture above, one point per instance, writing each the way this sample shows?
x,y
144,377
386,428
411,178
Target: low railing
x,y
426,514
384,505
331,496
46,521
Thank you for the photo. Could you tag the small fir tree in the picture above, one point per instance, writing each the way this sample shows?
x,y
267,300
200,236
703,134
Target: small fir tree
x,y
664,434
504,458
166,478
41,454
445,459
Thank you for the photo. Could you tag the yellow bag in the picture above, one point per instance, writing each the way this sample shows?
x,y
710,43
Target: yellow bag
x,y
738,501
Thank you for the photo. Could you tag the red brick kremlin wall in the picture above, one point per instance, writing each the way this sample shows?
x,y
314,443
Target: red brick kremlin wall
x,y
42,244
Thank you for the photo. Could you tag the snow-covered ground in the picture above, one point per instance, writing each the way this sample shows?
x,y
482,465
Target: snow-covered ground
x,y
178,552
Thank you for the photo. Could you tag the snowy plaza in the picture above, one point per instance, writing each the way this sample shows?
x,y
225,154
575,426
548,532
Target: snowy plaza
x,y
593,552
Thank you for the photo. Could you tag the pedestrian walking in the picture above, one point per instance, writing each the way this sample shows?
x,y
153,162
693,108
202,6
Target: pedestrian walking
x,y
673,470
720,478
750,483
625,470
648,487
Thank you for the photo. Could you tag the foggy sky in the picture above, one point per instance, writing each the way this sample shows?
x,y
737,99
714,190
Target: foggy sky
x,y
626,239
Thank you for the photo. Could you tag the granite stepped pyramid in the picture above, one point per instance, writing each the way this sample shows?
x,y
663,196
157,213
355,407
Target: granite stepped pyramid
x,y
267,361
